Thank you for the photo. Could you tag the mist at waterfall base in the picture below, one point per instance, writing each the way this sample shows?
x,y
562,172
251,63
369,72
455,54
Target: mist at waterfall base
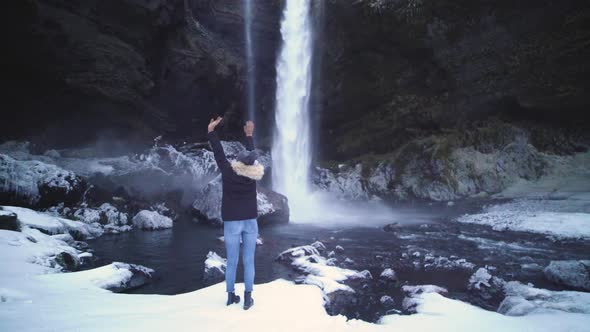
x,y
292,153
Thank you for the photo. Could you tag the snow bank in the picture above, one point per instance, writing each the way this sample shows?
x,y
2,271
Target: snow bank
x,y
33,300
524,300
115,277
51,224
549,217
151,220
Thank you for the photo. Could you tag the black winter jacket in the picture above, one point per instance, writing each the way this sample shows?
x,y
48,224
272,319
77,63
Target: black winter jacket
x,y
239,192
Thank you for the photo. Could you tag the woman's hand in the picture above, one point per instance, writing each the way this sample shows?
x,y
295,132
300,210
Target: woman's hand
x,y
213,123
249,128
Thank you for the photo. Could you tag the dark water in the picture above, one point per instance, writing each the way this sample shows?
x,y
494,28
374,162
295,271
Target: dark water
x,y
178,254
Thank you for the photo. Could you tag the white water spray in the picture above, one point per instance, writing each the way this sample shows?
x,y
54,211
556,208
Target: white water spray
x,y
291,148
251,77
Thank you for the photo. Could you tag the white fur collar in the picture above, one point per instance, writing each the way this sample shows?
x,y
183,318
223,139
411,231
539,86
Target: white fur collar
x,y
254,172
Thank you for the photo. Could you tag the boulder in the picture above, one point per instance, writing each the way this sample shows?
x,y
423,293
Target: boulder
x,y
135,276
151,220
67,261
33,183
570,274
486,290
272,206
215,267
388,274
391,227
410,302
387,301
9,221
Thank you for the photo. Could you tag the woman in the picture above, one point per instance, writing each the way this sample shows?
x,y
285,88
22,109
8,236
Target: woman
x,y
238,209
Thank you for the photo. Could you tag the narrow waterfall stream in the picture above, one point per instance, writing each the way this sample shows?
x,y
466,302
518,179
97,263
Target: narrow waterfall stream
x,y
251,65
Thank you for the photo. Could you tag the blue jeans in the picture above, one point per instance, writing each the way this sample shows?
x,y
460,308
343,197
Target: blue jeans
x,y
233,231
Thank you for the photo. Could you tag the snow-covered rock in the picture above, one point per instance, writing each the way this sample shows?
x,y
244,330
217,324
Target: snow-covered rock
x,y
51,224
572,274
387,301
35,183
32,246
319,246
106,216
151,220
308,260
345,182
486,290
481,278
525,299
117,277
272,207
388,274
413,294
8,220
215,267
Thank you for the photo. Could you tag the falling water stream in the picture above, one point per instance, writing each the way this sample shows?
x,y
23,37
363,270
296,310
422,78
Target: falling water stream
x,y
292,147
251,66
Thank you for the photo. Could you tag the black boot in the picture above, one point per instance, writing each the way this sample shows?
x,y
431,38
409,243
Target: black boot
x,y
248,300
232,298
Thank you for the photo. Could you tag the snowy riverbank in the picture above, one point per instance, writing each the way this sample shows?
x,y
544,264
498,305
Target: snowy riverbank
x,y
36,297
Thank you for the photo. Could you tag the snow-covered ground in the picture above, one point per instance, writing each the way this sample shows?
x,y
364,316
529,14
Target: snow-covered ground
x,y
34,296
560,219
32,300
557,204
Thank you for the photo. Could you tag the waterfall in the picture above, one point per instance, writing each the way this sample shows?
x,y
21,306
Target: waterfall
x,y
291,151
251,69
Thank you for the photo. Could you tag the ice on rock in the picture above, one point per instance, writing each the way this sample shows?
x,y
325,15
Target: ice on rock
x,y
32,246
319,270
573,274
116,277
151,220
388,274
480,278
27,179
54,225
319,246
525,299
414,293
215,267
345,183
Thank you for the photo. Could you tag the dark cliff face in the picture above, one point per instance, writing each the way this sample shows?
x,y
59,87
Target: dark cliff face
x,y
132,69
394,70
387,71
